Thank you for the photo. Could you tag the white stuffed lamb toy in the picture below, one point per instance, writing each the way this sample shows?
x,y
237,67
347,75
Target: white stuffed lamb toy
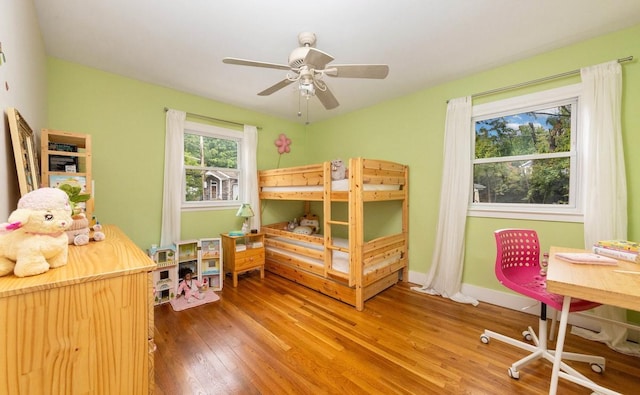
x,y
34,239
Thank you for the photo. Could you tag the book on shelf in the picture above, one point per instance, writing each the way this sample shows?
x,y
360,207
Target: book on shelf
x,y
620,245
617,254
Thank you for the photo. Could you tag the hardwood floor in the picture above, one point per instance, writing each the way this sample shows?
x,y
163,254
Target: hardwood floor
x,y
273,336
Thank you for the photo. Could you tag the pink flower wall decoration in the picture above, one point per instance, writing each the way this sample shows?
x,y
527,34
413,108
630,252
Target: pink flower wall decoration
x,y
283,143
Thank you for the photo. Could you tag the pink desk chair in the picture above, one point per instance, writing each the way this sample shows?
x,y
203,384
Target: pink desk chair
x,y
518,268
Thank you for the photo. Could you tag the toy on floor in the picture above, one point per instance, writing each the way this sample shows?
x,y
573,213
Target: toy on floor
x,y
34,240
190,287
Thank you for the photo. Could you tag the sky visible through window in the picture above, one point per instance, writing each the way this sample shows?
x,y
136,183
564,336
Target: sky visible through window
x,y
537,118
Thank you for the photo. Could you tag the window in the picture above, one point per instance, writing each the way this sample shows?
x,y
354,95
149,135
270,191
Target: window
x,y
526,161
212,174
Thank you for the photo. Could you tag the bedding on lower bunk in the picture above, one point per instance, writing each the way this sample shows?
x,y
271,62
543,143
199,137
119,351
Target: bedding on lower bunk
x,y
340,259
336,185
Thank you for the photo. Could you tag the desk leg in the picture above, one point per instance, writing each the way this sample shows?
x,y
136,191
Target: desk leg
x,y
570,374
562,331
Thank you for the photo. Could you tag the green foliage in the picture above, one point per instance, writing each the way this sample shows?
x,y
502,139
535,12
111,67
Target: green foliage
x,y
75,196
206,153
536,181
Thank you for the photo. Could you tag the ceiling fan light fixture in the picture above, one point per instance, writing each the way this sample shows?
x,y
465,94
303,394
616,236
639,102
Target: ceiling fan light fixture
x,y
307,89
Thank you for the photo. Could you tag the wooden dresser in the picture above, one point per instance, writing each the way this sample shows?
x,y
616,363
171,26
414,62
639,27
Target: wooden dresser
x,y
84,328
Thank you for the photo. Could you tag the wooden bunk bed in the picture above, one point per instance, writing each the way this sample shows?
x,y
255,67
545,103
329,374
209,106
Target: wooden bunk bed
x,y
353,269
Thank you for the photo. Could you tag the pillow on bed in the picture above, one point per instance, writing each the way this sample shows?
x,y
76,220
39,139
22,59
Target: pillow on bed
x,y
303,230
311,221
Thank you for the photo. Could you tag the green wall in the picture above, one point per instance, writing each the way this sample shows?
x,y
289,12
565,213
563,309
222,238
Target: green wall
x,y
410,130
126,119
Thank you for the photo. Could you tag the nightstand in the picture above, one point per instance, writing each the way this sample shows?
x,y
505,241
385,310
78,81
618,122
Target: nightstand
x,y
242,254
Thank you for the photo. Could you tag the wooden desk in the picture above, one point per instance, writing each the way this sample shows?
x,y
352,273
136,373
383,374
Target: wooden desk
x,y
83,328
596,283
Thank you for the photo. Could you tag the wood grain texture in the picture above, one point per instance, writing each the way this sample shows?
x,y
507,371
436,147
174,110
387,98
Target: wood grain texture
x,y
113,257
598,283
273,336
372,263
83,328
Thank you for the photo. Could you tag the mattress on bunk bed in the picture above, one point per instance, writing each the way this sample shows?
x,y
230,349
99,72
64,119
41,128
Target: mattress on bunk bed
x,y
336,185
340,259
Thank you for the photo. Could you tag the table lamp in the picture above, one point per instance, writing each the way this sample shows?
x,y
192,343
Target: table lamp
x,y
245,212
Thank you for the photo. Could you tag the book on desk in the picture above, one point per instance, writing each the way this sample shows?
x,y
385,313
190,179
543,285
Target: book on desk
x,y
618,249
619,245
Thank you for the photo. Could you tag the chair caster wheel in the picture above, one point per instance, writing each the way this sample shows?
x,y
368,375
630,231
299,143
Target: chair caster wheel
x,y
514,374
484,338
527,336
597,368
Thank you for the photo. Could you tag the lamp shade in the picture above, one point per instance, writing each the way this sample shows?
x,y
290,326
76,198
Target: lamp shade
x,y
245,211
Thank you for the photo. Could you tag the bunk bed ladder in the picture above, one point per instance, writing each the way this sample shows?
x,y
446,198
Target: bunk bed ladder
x,y
354,227
329,246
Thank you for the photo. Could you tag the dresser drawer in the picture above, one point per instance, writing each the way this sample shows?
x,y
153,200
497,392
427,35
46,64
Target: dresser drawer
x,y
249,258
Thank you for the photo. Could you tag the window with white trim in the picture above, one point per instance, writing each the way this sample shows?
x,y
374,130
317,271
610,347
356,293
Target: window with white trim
x,y
526,159
212,175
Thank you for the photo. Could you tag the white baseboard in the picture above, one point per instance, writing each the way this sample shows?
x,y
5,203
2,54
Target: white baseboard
x,y
518,302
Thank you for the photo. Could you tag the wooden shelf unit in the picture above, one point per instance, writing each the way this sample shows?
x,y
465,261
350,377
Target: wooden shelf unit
x,y
81,157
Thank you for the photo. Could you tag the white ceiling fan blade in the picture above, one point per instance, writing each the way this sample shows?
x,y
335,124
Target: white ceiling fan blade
x,y
316,59
378,71
327,99
253,63
275,87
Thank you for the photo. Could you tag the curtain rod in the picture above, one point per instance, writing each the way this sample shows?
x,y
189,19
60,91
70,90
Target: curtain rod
x,y
213,119
537,81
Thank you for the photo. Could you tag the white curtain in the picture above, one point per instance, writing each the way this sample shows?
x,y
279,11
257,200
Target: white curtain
x,y
605,187
249,163
171,197
445,276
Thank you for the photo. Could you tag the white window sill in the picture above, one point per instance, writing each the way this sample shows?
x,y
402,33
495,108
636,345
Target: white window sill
x,y
208,206
536,215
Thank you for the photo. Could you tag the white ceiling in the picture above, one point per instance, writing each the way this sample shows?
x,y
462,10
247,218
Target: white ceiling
x,y
180,43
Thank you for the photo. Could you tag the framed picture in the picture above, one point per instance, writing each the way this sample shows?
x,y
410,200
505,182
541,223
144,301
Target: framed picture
x,y
24,151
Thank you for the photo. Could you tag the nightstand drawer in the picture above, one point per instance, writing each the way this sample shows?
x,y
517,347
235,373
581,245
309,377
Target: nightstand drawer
x,y
249,258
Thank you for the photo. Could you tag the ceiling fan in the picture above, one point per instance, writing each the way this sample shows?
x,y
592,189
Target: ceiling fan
x,y
308,65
